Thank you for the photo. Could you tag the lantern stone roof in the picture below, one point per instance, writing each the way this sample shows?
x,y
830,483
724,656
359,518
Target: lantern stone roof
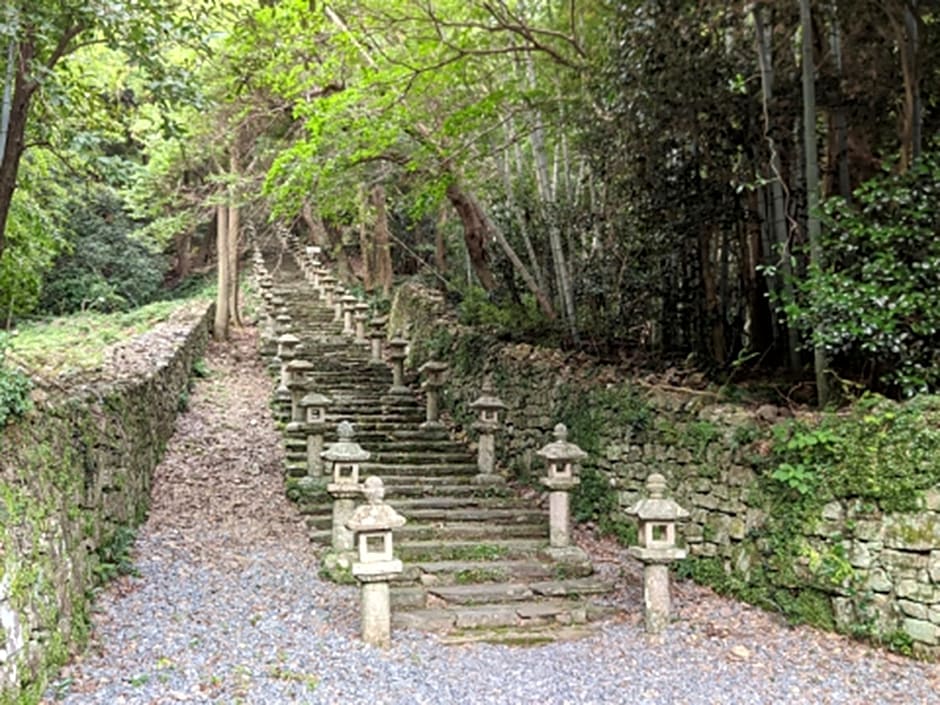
x,y
432,366
375,514
348,298
315,399
345,450
657,507
288,338
300,365
488,400
561,449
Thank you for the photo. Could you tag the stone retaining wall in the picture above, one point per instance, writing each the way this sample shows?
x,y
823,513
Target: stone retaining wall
x,y
74,477
867,572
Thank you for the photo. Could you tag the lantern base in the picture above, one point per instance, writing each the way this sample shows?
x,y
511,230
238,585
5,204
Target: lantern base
x,y
570,555
396,390
379,571
488,478
657,555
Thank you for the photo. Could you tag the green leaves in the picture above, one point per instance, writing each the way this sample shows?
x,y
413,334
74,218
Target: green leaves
x,y
876,303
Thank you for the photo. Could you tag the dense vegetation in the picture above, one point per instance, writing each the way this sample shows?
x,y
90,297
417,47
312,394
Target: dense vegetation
x,y
637,177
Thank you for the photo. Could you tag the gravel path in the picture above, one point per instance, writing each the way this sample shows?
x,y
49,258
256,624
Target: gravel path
x,y
227,608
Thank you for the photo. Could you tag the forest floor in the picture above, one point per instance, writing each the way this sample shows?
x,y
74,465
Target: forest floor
x,y
225,606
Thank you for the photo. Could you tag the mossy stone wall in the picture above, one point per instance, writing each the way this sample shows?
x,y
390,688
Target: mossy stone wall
x,y
843,565
74,475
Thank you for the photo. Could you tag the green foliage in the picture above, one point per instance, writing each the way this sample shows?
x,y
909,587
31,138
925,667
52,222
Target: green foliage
x,y
14,387
588,414
596,501
880,452
105,269
876,302
505,318
77,343
114,556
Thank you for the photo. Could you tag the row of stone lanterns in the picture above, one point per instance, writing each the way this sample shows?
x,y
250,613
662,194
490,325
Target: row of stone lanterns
x,y
367,530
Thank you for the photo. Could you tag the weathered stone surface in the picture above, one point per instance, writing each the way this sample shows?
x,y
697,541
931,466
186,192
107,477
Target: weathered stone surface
x,y
919,630
921,592
913,532
933,566
470,594
904,559
868,529
917,610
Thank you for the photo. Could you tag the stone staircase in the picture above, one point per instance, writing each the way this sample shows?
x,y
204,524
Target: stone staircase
x,y
476,566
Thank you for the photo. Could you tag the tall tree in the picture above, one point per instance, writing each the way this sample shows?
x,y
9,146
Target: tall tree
x,y
811,161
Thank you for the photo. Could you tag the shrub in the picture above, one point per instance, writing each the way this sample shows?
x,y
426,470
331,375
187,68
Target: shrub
x,y
105,269
875,304
14,388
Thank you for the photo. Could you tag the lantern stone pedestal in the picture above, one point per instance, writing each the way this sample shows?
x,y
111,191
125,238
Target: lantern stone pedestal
x,y
360,316
348,302
372,525
344,457
396,356
489,406
560,456
314,406
434,381
327,285
657,517
297,386
376,336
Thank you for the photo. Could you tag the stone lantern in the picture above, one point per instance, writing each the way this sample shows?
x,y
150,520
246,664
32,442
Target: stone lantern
x,y
297,371
560,458
287,344
344,457
360,316
348,302
338,294
376,336
314,406
372,525
282,323
489,406
396,355
327,284
657,517
434,381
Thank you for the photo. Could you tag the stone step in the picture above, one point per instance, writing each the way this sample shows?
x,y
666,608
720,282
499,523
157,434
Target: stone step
x,y
501,516
425,457
387,470
524,636
493,549
464,572
520,614
469,530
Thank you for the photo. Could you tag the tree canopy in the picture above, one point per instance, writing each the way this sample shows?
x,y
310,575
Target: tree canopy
x,y
631,178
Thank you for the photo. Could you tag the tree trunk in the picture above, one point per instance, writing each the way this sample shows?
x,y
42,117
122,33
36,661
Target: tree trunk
x,y
838,132
382,245
776,205
820,363
23,90
232,233
474,233
547,196
184,257
440,244
220,325
366,246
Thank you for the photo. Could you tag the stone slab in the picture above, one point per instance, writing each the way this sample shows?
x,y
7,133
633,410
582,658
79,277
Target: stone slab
x,y
482,593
